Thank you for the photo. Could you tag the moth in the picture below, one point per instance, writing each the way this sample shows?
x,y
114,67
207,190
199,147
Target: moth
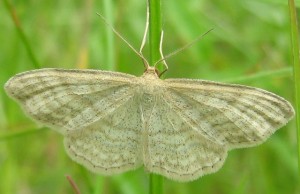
x,y
179,128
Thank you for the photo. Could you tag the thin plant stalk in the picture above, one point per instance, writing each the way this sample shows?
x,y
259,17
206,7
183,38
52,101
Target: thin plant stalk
x,y
73,184
155,181
13,135
108,13
283,72
296,63
109,65
154,30
21,33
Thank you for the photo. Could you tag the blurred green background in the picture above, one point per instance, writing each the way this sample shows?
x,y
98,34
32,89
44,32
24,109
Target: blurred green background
x,y
250,45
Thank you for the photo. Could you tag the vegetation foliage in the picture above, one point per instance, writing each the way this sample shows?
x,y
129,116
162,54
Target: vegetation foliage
x,y
250,45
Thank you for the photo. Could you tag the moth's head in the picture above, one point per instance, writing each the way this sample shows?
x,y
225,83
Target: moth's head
x,y
151,72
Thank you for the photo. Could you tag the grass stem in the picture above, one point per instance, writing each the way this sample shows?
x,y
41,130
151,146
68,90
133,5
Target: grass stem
x,y
156,181
296,63
283,72
154,30
21,33
108,12
156,184
13,135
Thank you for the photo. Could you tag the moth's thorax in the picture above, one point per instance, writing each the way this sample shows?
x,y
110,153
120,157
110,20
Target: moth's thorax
x,y
149,81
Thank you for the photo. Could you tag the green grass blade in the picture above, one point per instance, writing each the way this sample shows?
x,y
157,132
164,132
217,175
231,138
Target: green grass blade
x,y
296,62
154,30
109,65
156,181
156,184
283,72
21,33
13,135
108,13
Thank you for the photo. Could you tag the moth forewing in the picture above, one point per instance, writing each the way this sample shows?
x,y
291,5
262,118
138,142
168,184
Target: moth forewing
x,y
240,116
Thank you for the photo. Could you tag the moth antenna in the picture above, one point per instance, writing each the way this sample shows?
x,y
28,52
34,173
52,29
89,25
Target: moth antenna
x,y
145,35
146,64
183,48
162,55
146,30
